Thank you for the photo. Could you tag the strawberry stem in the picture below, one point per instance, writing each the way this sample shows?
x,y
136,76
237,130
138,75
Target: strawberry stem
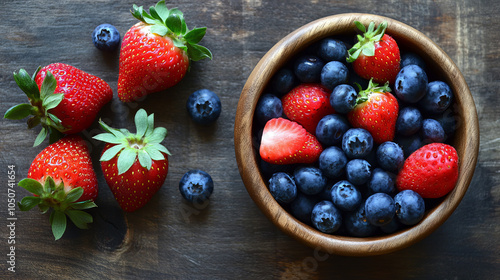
x,y
366,42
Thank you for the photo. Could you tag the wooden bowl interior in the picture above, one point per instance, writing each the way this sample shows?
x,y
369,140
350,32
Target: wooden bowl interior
x,y
466,140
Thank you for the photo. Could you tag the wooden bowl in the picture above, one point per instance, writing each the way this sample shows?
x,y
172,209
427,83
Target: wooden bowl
x,y
466,139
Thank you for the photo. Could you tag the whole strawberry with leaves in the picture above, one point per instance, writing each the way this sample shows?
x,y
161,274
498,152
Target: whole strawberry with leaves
x,y
376,110
156,52
61,178
135,166
376,55
62,99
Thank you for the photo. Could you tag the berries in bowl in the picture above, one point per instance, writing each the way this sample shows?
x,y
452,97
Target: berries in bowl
x,y
379,141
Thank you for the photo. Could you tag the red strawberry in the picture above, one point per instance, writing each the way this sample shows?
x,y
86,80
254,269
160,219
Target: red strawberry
x,y
376,55
376,111
285,142
155,52
63,99
135,166
307,104
431,171
62,177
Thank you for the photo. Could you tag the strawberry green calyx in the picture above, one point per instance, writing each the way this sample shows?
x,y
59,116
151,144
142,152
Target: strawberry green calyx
x,y
366,43
145,145
52,195
364,95
41,101
171,23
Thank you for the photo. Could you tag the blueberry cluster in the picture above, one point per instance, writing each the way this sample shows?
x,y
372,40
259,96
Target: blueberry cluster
x,y
351,189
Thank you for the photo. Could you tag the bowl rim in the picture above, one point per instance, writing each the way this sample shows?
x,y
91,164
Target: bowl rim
x,y
247,158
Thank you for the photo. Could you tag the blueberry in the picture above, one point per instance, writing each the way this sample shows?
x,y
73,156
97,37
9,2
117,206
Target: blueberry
x,y
343,98
346,196
409,121
380,209
393,226
382,181
358,171
282,187
449,121
325,217
390,156
411,83
432,132
309,180
330,129
357,225
357,143
196,186
268,107
437,99
301,208
409,144
204,106
332,162
333,74
410,207
307,68
283,81
409,58
106,37
331,49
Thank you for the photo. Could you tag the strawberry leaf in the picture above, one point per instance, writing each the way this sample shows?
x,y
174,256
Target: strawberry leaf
x,y
161,30
154,153
360,26
27,84
108,138
19,111
126,159
41,136
174,23
158,135
31,185
111,152
51,101
198,52
48,86
74,194
28,202
194,36
79,218
81,205
162,10
58,222
161,148
145,159
141,122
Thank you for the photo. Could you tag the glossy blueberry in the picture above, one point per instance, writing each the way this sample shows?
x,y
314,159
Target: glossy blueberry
x,y
409,58
410,207
332,162
308,68
411,83
196,186
331,49
409,121
358,171
283,81
357,225
357,143
382,181
449,121
432,132
409,144
325,217
380,209
437,99
343,98
346,196
309,180
268,107
204,106
105,37
330,129
390,156
333,74
282,187
301,208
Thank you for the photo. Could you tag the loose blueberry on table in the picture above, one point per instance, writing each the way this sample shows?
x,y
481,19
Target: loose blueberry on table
x,y
351,160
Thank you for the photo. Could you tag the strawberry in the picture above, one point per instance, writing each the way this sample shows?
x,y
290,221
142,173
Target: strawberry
x,y
63,99
134,165
376,54
431,171
156,52
376,110
61,177
307,104
286,142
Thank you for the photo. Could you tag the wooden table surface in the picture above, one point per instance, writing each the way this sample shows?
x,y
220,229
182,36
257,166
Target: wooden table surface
x,y
229,238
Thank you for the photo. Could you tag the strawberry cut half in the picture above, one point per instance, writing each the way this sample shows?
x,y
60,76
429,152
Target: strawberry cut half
x,y
286,142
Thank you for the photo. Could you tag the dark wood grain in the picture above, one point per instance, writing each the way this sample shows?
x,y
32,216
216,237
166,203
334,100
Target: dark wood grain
x,y
230,237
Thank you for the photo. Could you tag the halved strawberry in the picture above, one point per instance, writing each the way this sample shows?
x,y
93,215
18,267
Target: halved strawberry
x,y
286,142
